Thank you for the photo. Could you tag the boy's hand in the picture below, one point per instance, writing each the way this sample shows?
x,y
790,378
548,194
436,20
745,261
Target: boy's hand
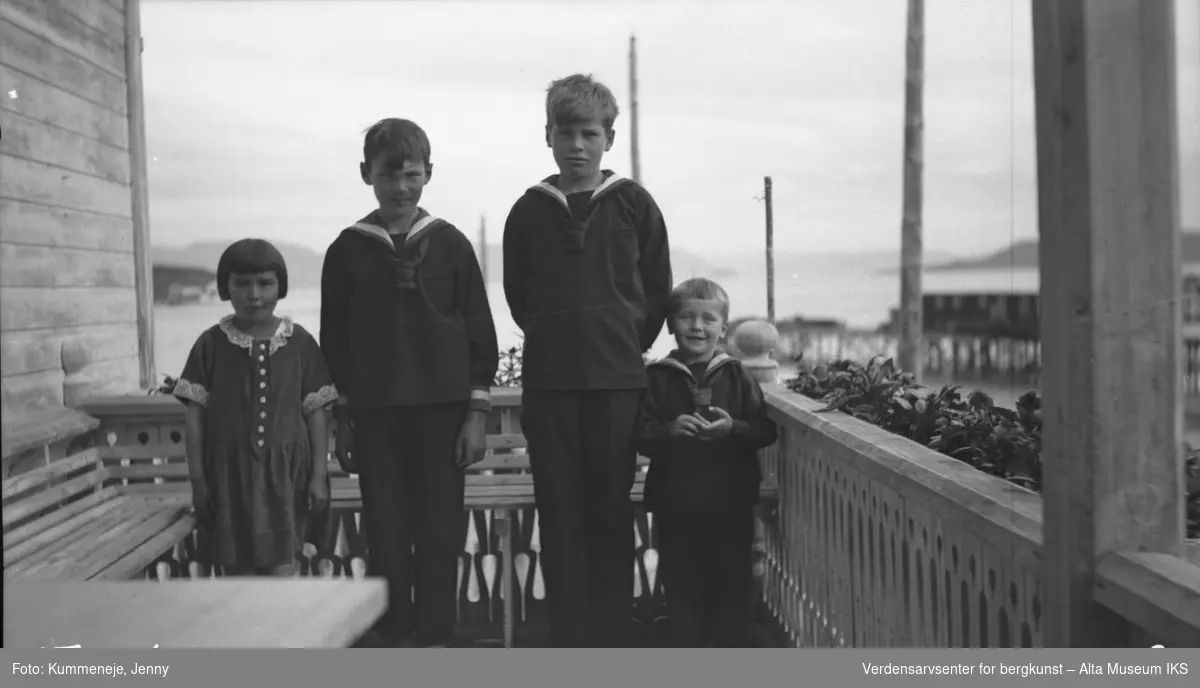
x,y
344,444
202,503
686,425
721,427
318,493
471,444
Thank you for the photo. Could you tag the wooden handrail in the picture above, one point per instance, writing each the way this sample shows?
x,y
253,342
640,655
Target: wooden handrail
x,y
1158,592
881,453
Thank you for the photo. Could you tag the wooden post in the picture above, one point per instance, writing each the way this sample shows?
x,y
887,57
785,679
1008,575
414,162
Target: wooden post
x,y
1108,215
503,523
909,341
635,162
143,268
770,250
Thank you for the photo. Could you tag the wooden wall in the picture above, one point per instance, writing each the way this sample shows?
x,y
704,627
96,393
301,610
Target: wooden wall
x,y
67,265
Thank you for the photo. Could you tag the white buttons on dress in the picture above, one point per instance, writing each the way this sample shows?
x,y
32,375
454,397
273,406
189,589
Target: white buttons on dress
x,y
260,428
262,371
263,399
262,358
263,385
260,443
262,414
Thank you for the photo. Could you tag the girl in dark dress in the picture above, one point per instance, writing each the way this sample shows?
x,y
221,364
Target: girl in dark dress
x,y
256,389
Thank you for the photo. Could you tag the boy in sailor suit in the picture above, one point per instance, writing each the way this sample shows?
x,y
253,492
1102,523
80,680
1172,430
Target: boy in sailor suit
x,y
408,335
702,421
587,276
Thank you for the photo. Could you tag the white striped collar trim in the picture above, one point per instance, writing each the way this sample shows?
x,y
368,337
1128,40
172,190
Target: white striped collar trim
x,y
610,182
718,361
419,227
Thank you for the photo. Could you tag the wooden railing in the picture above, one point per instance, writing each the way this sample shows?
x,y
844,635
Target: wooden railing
x,y
878,541
873,540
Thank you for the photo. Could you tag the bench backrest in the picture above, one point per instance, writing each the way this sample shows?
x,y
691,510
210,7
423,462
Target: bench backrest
x,y
36,501
144,448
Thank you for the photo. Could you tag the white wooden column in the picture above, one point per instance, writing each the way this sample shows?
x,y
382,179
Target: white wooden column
x,y
1108,218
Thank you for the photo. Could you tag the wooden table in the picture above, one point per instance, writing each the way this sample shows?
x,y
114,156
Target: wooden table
x,y
231,612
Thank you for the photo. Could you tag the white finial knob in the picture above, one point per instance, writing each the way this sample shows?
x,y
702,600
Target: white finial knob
x,y
755,342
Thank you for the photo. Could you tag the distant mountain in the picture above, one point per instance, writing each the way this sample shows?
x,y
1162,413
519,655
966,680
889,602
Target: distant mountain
x,y
787,262
1024,255
304,264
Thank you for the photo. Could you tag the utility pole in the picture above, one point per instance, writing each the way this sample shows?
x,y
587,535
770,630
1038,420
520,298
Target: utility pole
x,y
770,250
909,349
636,166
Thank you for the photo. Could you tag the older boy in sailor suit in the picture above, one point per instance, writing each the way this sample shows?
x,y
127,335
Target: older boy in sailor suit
x,y
408,335
587,276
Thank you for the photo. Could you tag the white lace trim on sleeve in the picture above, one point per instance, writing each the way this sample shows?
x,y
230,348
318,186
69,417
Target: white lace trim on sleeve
x,y
192,391
320,399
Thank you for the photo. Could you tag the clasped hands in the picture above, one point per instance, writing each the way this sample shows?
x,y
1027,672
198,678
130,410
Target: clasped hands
x,y
696,427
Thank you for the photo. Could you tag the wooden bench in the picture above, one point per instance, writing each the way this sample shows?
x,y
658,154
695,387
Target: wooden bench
x,y
146,449
70,520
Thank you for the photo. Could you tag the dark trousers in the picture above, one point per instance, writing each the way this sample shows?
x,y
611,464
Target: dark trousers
x,y
583,460
413,495
706,562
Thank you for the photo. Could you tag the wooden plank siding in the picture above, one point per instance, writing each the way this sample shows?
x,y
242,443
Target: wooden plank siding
x,y
68,298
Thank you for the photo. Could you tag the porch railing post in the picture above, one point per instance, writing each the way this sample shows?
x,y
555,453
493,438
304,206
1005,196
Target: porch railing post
x,y
1108,215
503,525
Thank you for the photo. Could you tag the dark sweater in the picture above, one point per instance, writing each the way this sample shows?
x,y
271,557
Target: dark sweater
x,y
702,476
405,320
588,281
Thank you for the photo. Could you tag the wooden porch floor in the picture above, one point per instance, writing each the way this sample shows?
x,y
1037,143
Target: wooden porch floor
x,y
765,634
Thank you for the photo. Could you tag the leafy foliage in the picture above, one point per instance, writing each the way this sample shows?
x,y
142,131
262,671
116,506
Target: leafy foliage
x,y
511,362
509,372
1003,442
167,388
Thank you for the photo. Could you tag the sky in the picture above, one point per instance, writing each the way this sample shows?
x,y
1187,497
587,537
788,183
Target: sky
x,y
256,110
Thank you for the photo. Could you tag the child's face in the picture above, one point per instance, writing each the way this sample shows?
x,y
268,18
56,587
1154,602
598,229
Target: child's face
x,y
397,183
254,295
698,327
579,147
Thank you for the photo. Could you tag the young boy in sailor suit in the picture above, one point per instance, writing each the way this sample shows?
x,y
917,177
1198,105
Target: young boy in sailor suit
x,y
587,276
408,335
702,422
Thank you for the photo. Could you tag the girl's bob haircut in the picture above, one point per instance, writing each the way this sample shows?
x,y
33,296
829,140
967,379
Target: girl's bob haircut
x,y
250,257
